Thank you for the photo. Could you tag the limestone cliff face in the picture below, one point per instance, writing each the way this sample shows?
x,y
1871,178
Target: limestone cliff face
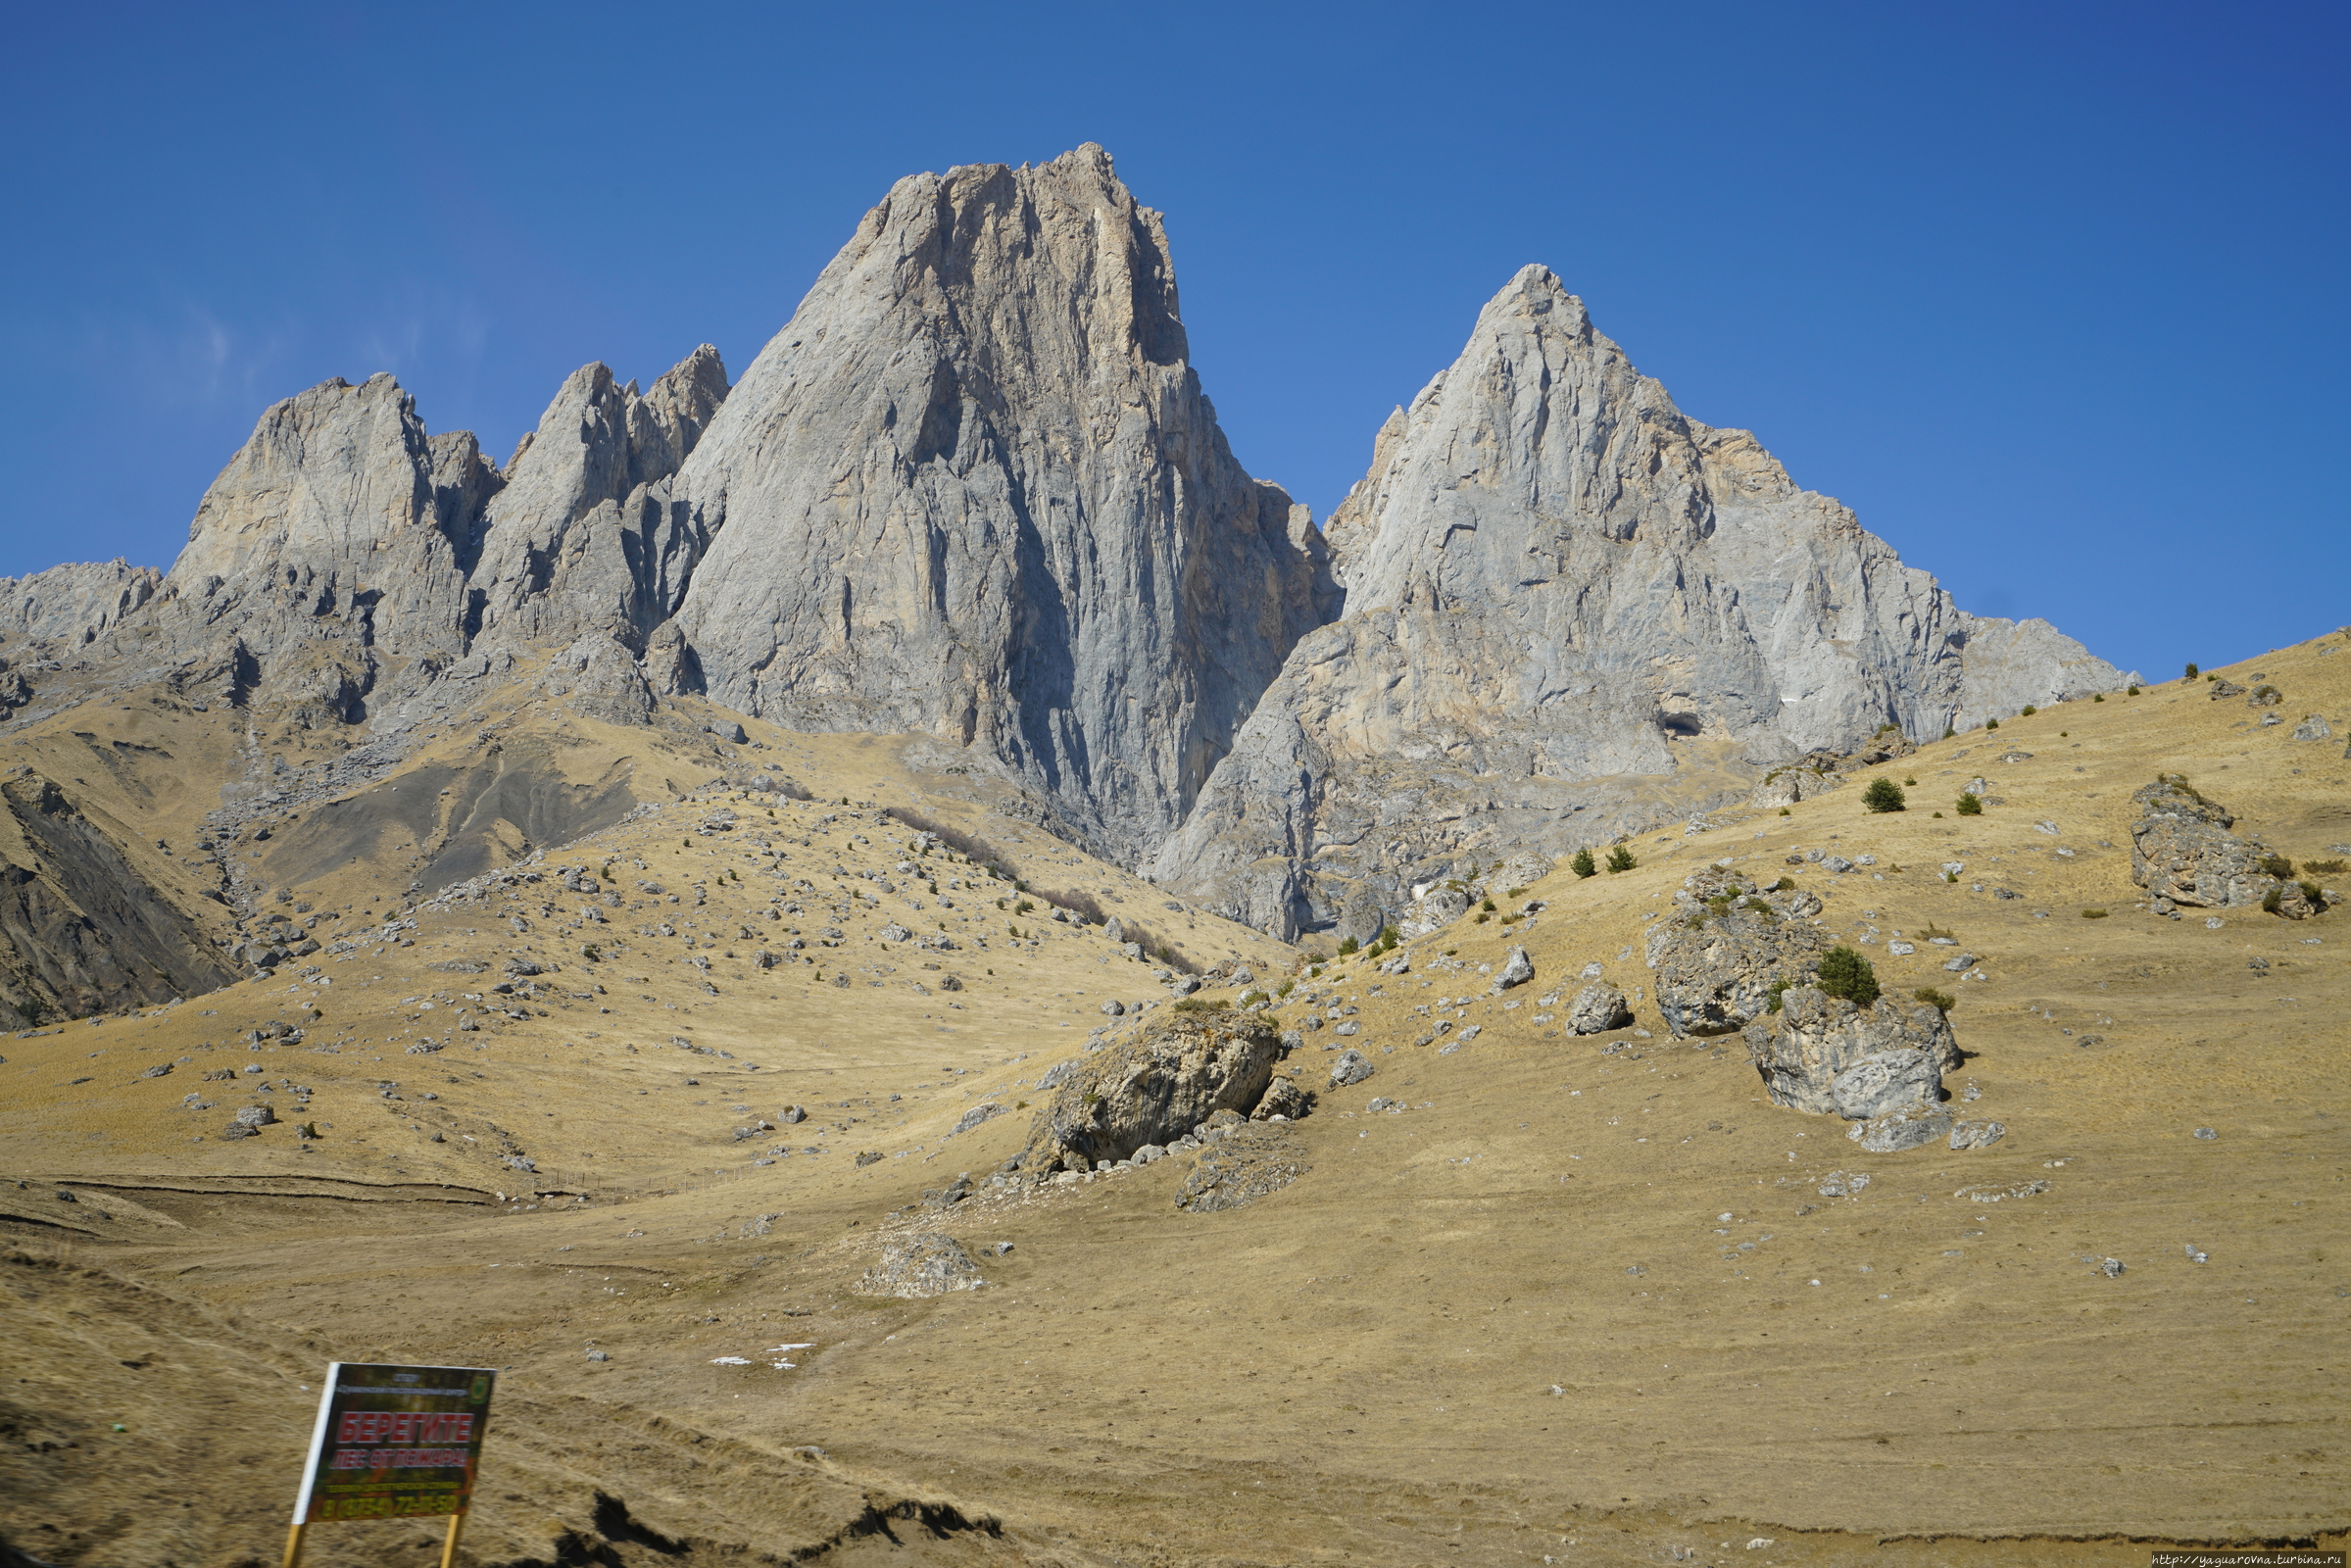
x,y
343,546
583,536
71,604
973,489
326,520
1553,578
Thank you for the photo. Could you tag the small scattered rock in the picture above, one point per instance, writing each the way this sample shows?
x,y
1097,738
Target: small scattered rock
x,y
1352,1067
1517,970
915,1267
1976,1134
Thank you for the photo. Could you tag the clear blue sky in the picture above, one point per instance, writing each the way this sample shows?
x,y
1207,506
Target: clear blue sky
x,y
2053,296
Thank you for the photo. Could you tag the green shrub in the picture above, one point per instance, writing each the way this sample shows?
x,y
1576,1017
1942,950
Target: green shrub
x,y
1939,816
1488,905
2192,672
1787,884
1910,783
1759,906
1970,805
1846,973
1346,948
2130,691
2276,865
1581,864
2030,710
2094,915
1023,906
1190,1005
591,954
1939,1001
1991,724
2323,867
1483,917
2313,892
1883,795
1621,858
1252,997
1514,892
2097,697
1779,989
1785,811
2273,898
1284,987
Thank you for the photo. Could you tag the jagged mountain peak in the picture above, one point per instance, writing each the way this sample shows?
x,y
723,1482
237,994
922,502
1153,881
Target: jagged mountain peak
x,y
973,489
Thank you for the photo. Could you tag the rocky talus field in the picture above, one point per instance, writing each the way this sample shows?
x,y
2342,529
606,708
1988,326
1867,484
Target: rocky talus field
x,y
845,1168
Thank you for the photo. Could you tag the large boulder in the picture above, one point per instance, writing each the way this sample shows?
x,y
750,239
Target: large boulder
x,y
1725,945
1596,1009
1827,1056
2181,850
1177,1071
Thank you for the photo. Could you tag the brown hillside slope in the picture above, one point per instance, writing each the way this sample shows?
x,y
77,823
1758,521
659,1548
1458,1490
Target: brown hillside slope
x,y
1505,1323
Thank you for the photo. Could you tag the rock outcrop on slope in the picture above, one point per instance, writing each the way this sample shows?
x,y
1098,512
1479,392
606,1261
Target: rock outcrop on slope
x,y
1554,579
1829,1057
973,489
1148,1091
2182,852
1727,944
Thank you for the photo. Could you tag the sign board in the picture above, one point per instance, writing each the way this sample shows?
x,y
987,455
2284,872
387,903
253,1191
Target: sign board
x,y
395,1443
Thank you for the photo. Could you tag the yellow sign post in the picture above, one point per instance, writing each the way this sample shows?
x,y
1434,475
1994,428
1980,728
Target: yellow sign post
x,y
394,1443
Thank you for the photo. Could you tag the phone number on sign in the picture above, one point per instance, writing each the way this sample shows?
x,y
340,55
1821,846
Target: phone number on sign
x,y
400,1506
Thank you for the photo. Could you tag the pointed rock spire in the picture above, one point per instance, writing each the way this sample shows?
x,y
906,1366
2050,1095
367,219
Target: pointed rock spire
x,y
973,489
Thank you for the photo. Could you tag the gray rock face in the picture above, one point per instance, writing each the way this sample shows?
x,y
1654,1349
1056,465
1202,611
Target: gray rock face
x,y
2181,850
1717,955
328,519
1352,1067
1826,1055
2313,727
1179,1071
72,604
583,536
1517,970
1598,1009
1552,576
973,489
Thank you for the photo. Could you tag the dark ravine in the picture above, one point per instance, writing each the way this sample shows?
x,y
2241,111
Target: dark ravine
x,y
85,932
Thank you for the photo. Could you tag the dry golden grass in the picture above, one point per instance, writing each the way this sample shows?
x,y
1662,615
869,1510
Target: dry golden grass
x,y
1505,1324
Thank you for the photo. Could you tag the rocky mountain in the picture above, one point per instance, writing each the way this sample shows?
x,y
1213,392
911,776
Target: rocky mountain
x,y
973,492
1554,579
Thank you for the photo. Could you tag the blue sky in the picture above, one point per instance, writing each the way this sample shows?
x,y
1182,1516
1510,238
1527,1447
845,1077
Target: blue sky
x,y
2053,296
